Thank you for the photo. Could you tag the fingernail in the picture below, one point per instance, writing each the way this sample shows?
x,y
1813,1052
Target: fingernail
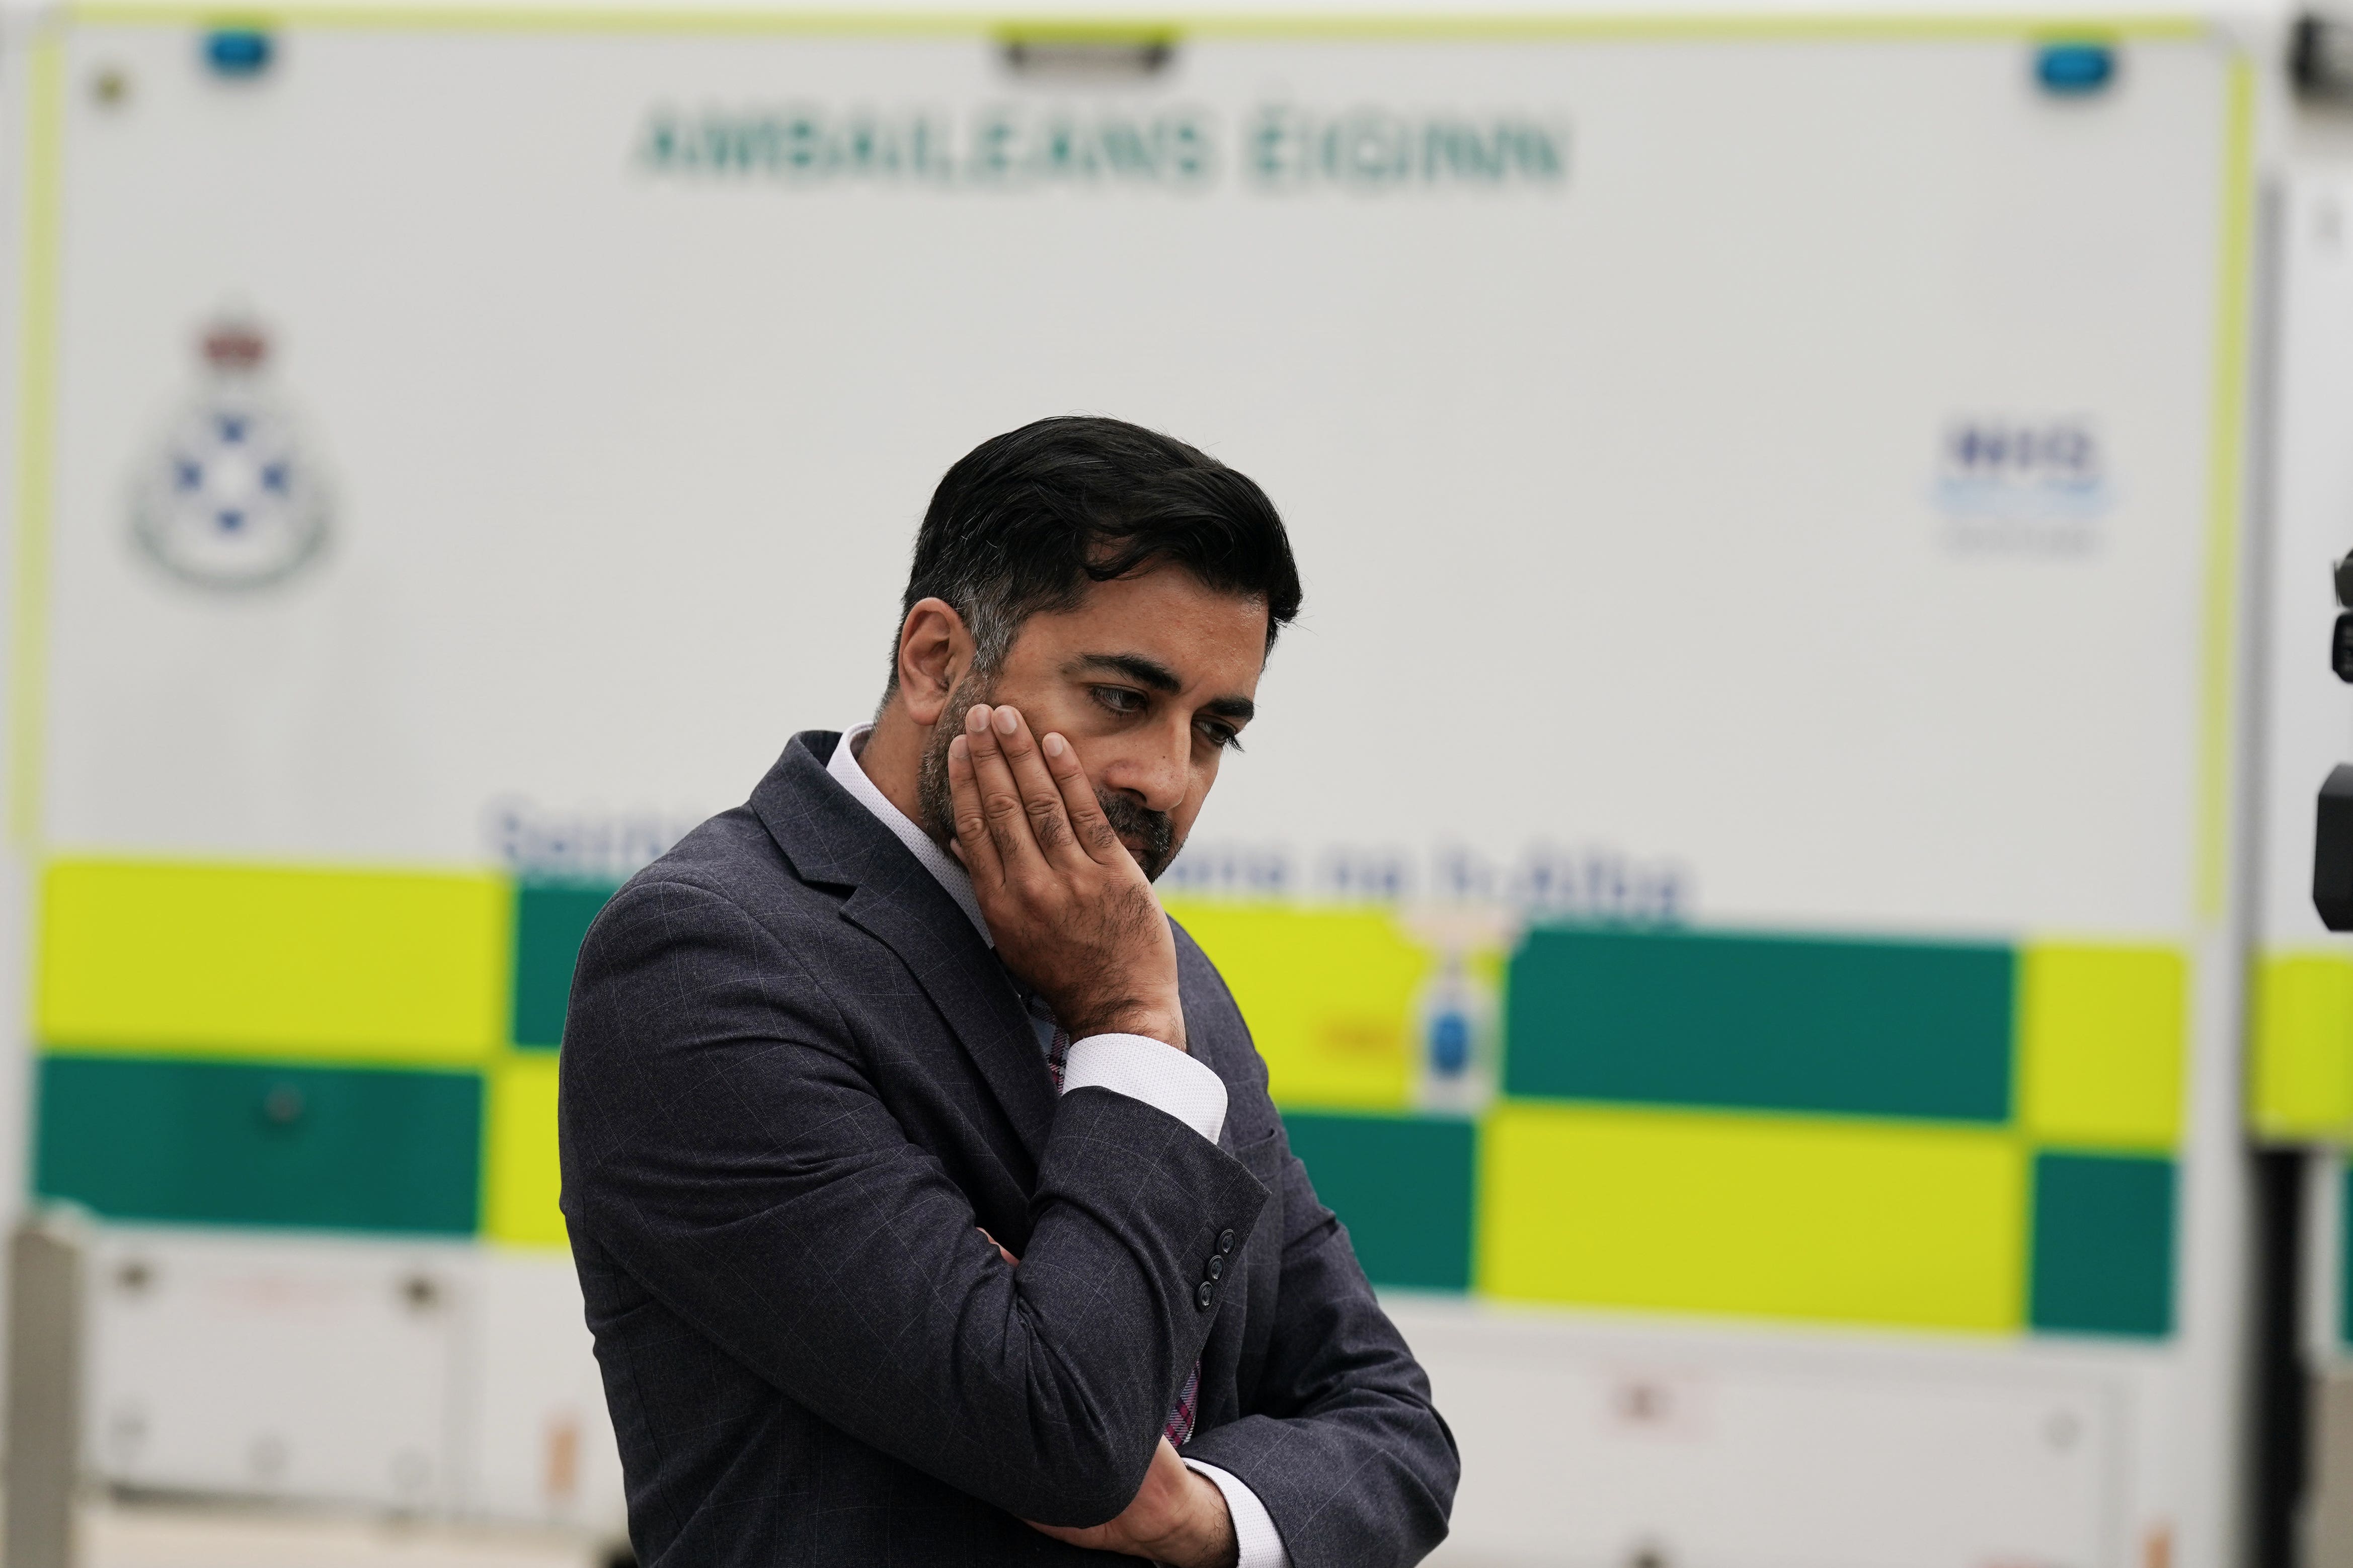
x,y
1006,720
975,719
1054,745
957,748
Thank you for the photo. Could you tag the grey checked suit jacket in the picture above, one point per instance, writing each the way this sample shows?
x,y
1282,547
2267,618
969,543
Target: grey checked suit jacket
x,y
795,1080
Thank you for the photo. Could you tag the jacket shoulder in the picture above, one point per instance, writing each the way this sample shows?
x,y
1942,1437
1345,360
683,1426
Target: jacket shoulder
x,y
730,861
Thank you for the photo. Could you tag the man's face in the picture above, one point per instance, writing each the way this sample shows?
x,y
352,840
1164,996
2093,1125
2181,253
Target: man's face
x,y
1150,679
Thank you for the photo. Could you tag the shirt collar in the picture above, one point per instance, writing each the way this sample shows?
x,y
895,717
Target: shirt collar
x,y
943,867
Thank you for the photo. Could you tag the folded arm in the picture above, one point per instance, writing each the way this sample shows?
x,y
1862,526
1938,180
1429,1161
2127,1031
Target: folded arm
x,y
722,1142
1341,1444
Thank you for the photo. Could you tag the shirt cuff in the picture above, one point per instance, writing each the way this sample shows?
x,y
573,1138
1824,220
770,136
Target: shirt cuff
x,y
1258,1544
1150,1070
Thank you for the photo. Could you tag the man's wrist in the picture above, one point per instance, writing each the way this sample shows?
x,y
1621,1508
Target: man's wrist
x,y
1211,1540
1258,1543
1161,1023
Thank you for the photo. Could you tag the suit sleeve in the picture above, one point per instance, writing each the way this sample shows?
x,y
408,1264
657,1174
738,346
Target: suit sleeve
x,y
1340,1441
721,1141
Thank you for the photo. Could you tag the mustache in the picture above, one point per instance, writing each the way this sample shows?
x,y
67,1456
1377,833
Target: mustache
x,y
1155,830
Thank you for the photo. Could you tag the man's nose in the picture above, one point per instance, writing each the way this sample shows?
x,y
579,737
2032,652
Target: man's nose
x,y
1154,771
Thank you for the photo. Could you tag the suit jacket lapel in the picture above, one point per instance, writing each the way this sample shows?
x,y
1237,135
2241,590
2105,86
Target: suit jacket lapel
x,y
831,839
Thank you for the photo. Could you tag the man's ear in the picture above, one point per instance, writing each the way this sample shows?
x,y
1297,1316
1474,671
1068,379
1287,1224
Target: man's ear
x,y
935,650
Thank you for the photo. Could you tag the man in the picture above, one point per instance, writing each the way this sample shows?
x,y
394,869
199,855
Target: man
x,y
921,1174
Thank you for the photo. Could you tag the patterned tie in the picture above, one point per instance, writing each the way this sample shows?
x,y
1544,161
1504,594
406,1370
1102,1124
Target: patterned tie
x,y
1179,1429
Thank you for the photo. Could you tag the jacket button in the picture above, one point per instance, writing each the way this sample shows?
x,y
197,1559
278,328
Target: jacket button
x,y
1205,1295
1217,1267
1225,1242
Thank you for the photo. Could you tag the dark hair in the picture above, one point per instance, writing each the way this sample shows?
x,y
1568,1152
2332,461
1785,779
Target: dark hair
x,y
1029,520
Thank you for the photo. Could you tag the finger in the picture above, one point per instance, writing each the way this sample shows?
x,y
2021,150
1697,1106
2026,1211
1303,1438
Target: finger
x,y
1001,1246
1001,805
1092,829
1049,825
974,846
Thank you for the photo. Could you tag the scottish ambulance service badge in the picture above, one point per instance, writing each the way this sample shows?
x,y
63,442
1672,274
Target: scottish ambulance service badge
x,y
228,500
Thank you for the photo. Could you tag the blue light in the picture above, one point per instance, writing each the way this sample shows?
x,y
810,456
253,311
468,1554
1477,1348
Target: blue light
x,y
1449,1042
2074,71
238,51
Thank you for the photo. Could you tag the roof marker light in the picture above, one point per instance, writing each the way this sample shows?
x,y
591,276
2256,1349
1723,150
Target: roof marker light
x,y
2075,70
238,51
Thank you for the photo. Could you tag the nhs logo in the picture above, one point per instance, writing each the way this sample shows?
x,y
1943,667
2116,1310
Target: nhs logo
x,y
2022,483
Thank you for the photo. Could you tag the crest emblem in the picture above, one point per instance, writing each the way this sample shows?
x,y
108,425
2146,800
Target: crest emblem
x,y
229,500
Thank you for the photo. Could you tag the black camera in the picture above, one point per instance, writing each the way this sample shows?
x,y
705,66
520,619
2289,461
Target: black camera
x,y
2332,837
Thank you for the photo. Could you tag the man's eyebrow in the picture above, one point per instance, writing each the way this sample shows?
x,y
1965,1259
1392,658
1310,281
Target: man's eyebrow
x,y
1241,709
1146,672
1158,677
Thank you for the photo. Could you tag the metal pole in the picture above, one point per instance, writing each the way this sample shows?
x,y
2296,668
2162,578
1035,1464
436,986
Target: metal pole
x,y
44,1432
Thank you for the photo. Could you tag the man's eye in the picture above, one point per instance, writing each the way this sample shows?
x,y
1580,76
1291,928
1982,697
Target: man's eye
x,y
1119,699
1221,737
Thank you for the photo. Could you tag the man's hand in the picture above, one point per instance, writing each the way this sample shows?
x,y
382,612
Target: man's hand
x,y
1071,912
1178,1516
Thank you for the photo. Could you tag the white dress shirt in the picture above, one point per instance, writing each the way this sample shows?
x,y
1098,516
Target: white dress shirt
x,y
1134,1065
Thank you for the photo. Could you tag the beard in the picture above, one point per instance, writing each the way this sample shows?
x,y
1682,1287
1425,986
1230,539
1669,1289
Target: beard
x,y
1150,836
